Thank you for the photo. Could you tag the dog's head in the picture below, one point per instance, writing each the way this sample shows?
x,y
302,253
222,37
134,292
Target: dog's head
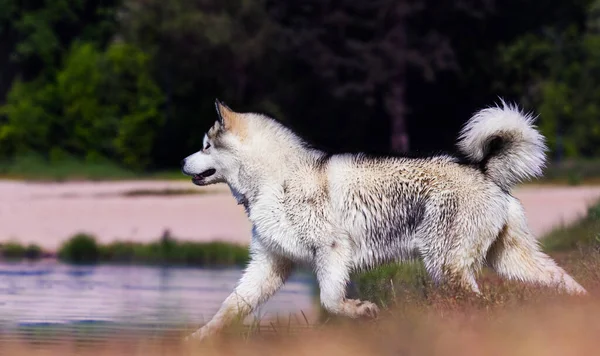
x,y
221,152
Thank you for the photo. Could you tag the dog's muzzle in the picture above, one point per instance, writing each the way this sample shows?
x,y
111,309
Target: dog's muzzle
x,y
199,178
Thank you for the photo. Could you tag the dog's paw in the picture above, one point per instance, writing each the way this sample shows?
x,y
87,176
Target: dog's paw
x,y
368,309
199,335
356,308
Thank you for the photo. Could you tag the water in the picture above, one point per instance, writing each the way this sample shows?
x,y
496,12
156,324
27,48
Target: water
x,y
54,294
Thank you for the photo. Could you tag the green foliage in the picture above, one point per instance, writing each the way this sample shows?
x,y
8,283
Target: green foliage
x,y
46,28
134,82
30,114
12,250
558,73
80,249
61,167
167,251
98,105
33,252
15,251
139,100
209,254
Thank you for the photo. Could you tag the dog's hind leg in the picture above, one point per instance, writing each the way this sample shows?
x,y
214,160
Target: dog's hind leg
x,y
517,255
265,274
446,270
453,254
333,274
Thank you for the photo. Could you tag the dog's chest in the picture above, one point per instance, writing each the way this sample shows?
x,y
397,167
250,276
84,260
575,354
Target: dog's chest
x,y
289,227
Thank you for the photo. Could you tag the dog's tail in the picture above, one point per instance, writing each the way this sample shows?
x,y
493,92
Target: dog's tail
x,y
505,144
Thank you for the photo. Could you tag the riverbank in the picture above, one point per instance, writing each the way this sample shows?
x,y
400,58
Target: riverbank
x,y
45,214
84,249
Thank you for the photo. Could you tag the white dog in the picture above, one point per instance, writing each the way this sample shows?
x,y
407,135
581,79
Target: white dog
x,y
340,213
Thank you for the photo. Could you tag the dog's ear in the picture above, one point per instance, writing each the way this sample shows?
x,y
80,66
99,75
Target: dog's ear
x,y
229,119
222,110
224,113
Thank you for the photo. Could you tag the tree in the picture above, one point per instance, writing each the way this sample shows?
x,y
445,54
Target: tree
x,y
201,50
557,71
98,104
35,34
367,49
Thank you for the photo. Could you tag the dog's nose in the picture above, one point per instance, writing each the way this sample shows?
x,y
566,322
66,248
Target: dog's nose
x,y
182,163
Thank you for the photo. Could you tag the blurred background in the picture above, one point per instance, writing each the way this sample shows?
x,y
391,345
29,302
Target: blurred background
x,y
133,82
100,101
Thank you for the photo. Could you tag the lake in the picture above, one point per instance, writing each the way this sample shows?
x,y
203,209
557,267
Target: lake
x,y
59,295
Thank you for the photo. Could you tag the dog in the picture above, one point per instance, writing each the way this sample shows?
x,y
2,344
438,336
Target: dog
x,y
347,212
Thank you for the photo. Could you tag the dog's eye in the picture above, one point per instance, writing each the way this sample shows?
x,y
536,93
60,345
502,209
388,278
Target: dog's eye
x,y
207,146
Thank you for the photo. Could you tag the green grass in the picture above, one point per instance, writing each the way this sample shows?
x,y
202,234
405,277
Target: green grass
x,y
83,249
382,285
61,167
36,168
584,233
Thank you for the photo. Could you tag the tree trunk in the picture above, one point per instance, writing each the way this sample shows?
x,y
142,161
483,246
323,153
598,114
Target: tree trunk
x,y
396,109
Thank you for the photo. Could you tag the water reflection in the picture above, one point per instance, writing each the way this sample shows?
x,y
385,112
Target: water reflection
x,y
55,294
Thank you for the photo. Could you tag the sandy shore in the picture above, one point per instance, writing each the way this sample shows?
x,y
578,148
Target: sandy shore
x,y
48,213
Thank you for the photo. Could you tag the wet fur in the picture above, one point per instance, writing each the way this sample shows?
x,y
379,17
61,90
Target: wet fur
x,y
349,212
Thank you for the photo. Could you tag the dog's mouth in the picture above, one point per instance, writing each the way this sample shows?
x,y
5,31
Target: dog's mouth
x,y
200,177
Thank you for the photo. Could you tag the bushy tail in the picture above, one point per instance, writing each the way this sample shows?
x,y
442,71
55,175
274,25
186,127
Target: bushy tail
x,y
503,141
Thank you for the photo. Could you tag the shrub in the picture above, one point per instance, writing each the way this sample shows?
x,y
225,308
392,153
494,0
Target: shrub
x,y
33,252
170,251
80,249
98,104
13,250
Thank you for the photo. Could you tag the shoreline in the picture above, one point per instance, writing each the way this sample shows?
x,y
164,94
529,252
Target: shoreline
x,y
47,214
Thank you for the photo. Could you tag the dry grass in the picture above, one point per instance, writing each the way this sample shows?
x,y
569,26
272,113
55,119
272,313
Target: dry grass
x,y
510,319
564,327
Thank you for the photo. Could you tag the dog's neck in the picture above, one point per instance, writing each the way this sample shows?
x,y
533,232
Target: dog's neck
x,y
250,185
240,198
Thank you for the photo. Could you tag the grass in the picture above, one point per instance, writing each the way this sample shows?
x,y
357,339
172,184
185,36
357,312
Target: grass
x,y
64,168
83,249
36,168
584,233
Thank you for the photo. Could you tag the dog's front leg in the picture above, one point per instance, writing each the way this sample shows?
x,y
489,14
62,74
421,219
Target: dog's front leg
x,y
333,273
265,274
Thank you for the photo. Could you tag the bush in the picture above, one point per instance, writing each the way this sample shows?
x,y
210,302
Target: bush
x,y
13,251
80,249
169,251
99,104
33,252
16,251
